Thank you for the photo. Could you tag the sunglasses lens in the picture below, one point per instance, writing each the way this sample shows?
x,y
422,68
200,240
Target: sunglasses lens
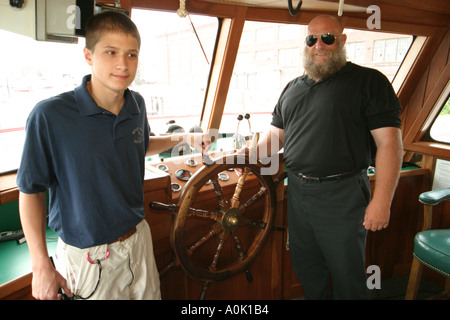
x,y
328,38
311,40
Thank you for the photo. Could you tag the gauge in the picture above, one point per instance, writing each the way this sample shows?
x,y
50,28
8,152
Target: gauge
x,y
223,176
191,162
163,167
175,187
183,174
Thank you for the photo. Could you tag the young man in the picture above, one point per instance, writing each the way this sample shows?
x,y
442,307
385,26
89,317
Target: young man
x,y
326,120
87,147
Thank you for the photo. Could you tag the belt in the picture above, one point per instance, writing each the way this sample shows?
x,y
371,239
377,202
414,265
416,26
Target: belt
x,y
125,236
333,177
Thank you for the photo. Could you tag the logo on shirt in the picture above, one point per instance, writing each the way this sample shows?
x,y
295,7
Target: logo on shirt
x,y
138,135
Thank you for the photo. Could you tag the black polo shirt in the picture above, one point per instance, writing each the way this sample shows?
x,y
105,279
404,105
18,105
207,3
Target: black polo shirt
x,y
327,124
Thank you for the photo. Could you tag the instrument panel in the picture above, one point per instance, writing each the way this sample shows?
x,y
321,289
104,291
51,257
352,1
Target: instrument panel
x,y
181,169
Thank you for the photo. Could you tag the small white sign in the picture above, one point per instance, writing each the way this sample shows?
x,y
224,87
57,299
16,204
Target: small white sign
x,y
441,174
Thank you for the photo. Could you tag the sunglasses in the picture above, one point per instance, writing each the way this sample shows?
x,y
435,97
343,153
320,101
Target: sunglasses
x,y
327,38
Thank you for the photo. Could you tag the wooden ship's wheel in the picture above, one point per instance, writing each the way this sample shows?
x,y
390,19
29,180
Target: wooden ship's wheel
x,y
228,237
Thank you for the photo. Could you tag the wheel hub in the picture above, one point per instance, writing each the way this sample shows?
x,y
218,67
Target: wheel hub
x,y
230,219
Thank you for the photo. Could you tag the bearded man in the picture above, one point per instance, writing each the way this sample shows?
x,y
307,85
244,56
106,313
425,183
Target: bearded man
x,y
330,121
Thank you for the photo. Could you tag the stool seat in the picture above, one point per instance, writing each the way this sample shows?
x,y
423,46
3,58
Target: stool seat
x,y
432,248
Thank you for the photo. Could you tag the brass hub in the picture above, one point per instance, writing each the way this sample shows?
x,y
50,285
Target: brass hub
x,y
230,219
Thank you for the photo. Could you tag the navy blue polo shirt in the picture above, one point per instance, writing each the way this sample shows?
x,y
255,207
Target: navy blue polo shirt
x,y
92,162
327,123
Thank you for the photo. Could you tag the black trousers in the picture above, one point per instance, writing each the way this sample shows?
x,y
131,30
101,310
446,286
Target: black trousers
x,y
326,235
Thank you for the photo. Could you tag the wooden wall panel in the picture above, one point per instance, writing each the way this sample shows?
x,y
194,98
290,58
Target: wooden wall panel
x,y
438,64
414,106
421,105
391,249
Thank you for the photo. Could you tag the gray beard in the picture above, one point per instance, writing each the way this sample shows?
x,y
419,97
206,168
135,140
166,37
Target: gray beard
x,y
317,72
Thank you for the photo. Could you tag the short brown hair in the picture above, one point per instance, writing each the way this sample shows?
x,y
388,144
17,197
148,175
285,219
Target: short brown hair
x,y
109,21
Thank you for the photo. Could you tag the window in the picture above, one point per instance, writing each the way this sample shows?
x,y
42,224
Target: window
x,y
172,75
31,71
382,51
440,130
289,57
355,51
275,59
174,66
265,35
390,50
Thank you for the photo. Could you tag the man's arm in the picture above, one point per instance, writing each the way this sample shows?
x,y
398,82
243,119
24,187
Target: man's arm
x,y
270,142
46,280
388,163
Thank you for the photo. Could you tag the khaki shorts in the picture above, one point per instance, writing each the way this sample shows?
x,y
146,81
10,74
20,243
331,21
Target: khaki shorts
x,y
122,270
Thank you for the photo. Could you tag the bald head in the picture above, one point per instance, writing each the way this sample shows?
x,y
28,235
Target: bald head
x,y
325,24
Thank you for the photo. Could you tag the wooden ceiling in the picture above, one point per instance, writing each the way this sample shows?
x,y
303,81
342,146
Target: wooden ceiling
x,y
283,4
436,6
426,12
419,12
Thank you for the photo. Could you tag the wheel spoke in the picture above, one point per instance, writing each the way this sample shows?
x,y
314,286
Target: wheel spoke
x,y
238,246
262,191
216,216
255,224
216,229
223,203
239,186
212,266
173,263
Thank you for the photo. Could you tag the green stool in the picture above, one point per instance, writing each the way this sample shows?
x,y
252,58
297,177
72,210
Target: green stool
x,y
431,247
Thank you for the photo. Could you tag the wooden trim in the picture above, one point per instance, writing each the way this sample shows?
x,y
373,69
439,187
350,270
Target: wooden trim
x,y
124,4
408,62
166,5
425,83
192,6
8,188
424,6
9,195
415,19
429,109
10,289
350,20
422,63
439,150
222,70
418,22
